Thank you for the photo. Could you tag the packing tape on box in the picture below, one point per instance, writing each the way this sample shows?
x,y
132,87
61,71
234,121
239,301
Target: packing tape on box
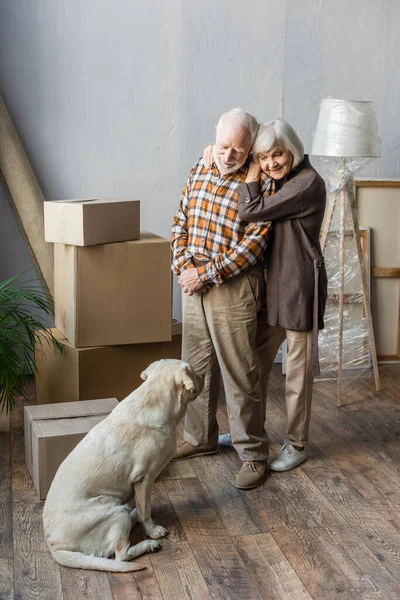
x,y
61,417
63,213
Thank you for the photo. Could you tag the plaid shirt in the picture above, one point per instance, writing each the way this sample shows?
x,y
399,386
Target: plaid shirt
x,y
207,232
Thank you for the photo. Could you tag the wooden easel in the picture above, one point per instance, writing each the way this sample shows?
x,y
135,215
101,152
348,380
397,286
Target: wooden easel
x,y
344,199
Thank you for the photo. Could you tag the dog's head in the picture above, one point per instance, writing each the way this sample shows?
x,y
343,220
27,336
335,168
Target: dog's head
x,y
177,377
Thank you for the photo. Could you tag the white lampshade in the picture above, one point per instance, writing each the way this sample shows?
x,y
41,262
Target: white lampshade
x,y
346,128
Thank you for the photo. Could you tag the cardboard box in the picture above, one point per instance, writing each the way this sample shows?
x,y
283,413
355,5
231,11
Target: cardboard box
x,y
85,373
114,293
52,431
91,221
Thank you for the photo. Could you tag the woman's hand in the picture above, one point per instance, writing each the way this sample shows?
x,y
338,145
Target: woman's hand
x,y
208,157
254,172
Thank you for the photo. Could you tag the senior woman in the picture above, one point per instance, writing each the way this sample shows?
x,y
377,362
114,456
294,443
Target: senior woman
x,y
296,281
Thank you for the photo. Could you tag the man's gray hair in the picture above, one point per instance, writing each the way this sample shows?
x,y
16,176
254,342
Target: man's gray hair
x,y
242,119
278,133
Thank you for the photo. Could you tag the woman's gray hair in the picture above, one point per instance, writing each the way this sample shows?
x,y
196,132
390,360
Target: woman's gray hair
x,y
241,119
278,133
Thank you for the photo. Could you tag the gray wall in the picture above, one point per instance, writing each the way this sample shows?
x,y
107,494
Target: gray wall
x,y
118,98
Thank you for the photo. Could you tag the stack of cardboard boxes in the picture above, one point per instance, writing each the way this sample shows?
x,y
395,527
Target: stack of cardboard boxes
x,y
113,301
113,314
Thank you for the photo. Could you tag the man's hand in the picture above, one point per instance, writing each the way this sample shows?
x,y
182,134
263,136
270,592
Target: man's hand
x,y
204,289
190,282
254,172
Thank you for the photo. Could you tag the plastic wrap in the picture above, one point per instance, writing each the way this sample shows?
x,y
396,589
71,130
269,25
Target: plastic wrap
x,y
346,128
346,138
338,172
344,273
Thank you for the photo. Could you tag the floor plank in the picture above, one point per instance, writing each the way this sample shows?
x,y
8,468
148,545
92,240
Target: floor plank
x,y
381,420
273,574
365,472
5,497
124,587
79,583
36,574
21,479
140,584
305,535
219,562
350,446
378,535
163,513
6,543
177,470
178,573
7,578
236,513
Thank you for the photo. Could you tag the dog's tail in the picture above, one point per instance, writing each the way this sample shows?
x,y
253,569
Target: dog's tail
x,y
77,560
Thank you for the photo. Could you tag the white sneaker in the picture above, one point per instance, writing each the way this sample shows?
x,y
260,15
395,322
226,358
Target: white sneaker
x,y
288,458
225,439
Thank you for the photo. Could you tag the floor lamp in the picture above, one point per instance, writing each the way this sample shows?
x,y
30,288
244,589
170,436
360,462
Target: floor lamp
x,y
346,137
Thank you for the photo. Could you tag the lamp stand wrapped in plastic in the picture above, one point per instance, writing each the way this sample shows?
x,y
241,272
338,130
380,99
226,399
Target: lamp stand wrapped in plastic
x,y
347,344
346,138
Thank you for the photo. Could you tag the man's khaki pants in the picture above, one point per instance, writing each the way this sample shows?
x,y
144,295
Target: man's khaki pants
x,y
219,334
299,379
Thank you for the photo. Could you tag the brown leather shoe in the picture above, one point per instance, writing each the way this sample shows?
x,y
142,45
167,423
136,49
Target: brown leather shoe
x,y
186,450
251,475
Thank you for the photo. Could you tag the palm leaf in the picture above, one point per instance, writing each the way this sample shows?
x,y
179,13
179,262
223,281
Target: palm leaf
x,y
21,302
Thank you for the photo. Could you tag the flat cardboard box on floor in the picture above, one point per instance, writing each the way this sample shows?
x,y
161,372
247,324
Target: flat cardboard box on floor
x,y
86,222
53,431
114,294
85,373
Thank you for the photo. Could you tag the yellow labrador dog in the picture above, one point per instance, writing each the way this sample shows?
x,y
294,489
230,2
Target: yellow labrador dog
x,y
86,518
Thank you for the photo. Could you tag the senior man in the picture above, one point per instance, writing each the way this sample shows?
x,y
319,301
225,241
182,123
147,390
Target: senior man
x,y
218,260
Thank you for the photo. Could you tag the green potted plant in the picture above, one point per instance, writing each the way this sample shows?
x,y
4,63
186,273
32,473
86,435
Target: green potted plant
x,y
21,302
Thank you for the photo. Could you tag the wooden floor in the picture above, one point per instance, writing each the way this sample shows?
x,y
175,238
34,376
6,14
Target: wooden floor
x,y
328,529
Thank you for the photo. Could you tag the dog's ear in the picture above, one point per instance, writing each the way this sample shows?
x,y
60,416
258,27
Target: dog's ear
x,y
144,374
188,382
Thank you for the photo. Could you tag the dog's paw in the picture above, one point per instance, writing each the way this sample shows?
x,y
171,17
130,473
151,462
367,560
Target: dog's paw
x,y
154,546
156,532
